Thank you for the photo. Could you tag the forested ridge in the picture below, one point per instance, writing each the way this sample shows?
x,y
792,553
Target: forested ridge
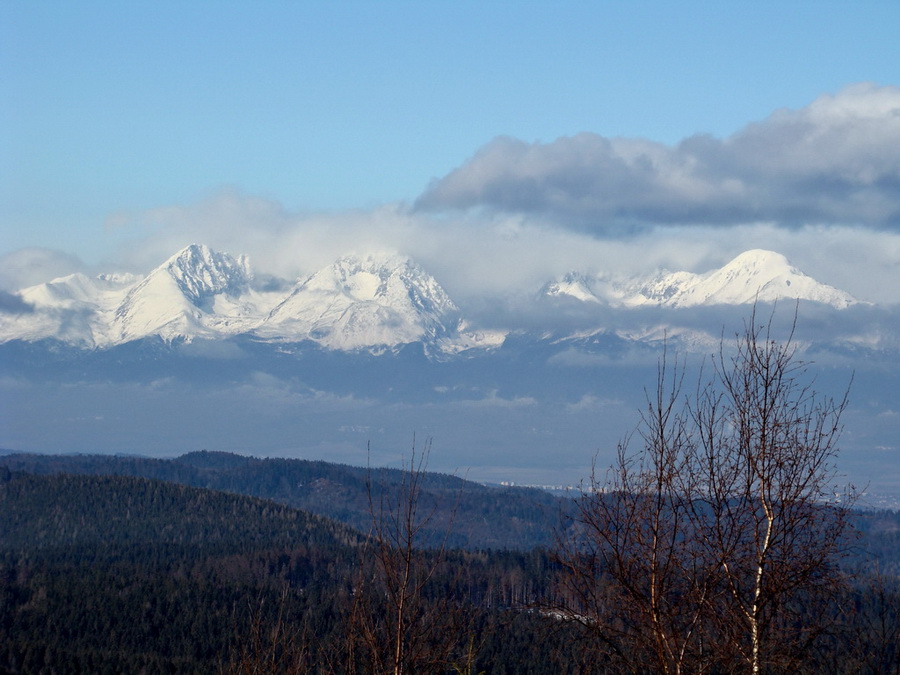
x,y
485,517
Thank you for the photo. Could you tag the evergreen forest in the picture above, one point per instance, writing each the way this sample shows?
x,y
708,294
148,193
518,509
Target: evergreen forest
x,y
206,564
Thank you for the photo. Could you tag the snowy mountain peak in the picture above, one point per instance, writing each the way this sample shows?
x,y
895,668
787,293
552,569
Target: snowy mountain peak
x,y
758,275
175,299
759,259
68,308
365,301
758,268
201,272
63,291
358,302
361,278
755,275
572,285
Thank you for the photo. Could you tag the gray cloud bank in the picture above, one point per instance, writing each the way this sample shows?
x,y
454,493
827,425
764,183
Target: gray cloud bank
x,y
836,160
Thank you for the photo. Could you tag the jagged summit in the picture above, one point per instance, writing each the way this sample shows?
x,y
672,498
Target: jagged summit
x,y
364,301
201,272
572,285
173,301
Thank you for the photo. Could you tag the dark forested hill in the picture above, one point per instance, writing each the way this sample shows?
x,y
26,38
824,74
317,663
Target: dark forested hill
x,y
63,510
113,574
466,514
119,574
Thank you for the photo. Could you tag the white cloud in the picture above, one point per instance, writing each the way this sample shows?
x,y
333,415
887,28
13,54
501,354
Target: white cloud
x,y
489,264
30,266
589,403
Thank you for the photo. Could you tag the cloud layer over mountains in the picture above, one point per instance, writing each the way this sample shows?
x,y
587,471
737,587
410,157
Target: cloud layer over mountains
x,y
834,161
819,184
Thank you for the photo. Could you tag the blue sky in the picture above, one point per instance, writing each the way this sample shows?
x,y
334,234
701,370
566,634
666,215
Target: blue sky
x,y
500,144
112,107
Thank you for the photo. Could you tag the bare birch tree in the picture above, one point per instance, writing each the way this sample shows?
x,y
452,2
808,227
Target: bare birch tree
x,y
632,576
771,511
691,554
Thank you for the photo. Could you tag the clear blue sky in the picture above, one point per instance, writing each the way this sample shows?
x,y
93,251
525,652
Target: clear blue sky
x,y
108,106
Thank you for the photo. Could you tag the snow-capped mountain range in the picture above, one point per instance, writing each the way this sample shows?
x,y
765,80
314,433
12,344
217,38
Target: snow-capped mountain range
x,y
753,276
357,302
369,302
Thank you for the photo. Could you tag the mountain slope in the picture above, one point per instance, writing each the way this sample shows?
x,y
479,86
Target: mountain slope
x,y
465,514
75,309
113,574
757,275
175,299
363,302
